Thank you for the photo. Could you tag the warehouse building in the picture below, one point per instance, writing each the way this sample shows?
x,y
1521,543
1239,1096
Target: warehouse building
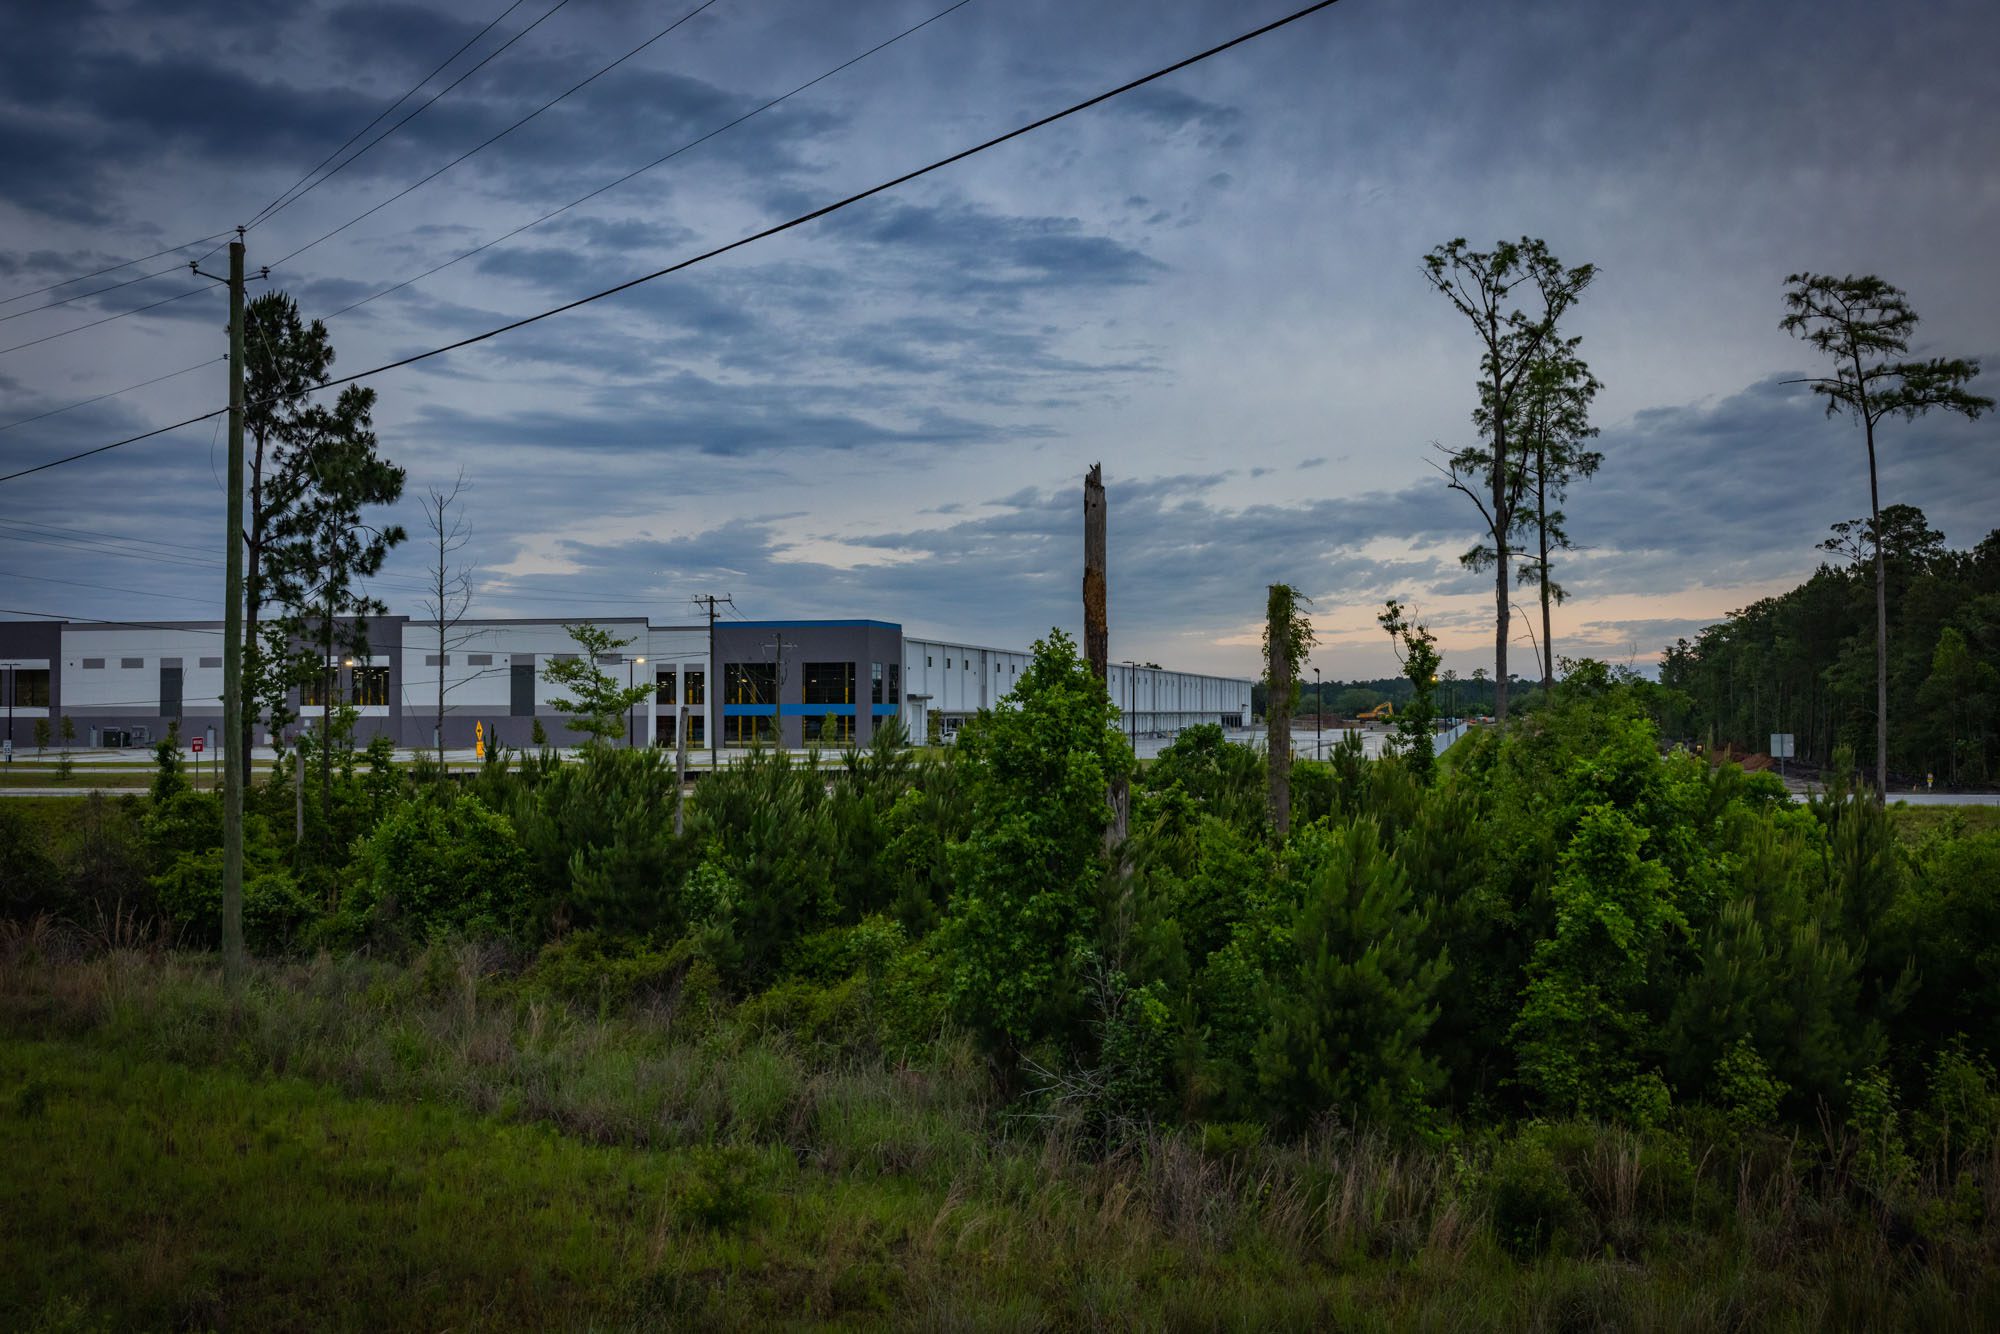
x,y
796,683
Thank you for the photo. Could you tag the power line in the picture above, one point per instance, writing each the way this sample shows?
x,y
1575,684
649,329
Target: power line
x,y
658,161
97,532
75,545
139,310
108,588
99,398
95,291
97,620
798,221
414,88
349,161
705,4
111,268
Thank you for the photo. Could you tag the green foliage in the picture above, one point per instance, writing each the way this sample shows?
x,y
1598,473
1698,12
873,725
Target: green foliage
x,y
439,865
1583,1031
30,881
1812,650
597,705
1747,1090
724,1195
1288,623
1025,875
1416,649
1534,1208
1349,1015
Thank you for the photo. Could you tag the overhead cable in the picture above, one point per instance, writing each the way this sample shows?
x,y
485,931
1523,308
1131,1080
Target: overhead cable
x,y
412,91
658,161
798,221
494,139
113,268
431,101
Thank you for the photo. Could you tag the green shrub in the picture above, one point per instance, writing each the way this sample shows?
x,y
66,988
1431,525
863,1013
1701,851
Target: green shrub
x,y
724,1195
274,909
1532,1205
606,972
443,865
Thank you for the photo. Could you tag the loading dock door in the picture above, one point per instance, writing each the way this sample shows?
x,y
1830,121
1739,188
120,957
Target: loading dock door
x,y
170,692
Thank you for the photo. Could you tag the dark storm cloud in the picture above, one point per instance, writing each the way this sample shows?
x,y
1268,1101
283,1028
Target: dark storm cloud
x,y
1162,282
965,251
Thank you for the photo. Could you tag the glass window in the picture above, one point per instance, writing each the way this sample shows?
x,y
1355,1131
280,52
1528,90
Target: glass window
x,y
437,659
663,687
928,662
90,664
211,662
479,660
697,728
749,683
828,683
895,683
696,690
31,687
834,729
747,729
368,686
874,683
313,690
132,663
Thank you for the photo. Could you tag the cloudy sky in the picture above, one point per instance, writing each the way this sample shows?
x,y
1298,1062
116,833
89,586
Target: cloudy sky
x,y
1211,285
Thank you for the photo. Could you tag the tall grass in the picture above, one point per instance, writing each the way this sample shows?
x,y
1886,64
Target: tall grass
x,y
785,1179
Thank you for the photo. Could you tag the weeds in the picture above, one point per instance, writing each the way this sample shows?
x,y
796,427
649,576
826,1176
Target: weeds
x,y
721,1174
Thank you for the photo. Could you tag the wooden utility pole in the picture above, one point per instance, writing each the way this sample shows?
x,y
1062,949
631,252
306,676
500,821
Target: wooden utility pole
x,y
1096,613
1097,626
232,645
1278,709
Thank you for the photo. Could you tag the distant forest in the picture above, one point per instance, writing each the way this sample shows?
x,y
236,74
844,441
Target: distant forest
x,y
1804,662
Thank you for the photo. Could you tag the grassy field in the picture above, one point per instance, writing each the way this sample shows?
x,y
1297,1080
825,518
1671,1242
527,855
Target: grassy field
x,y
363,1145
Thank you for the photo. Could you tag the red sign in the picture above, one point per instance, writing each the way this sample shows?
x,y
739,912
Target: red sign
x,y
196,743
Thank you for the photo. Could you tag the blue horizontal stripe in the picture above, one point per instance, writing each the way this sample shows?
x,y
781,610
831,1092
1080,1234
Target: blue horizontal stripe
x,y
887,710
748,710
818,710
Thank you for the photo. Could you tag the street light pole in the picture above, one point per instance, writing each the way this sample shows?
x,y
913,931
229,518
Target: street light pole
x,y
630,663
1319,719
1132,699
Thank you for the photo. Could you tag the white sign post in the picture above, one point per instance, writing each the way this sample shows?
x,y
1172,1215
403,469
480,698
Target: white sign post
x,y
1781,749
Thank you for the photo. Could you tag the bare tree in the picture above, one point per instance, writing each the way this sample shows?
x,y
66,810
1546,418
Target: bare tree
x,y
448,595
1493,474
1855,321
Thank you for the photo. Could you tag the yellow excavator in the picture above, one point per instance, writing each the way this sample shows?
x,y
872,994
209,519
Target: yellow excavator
x,y
1381,713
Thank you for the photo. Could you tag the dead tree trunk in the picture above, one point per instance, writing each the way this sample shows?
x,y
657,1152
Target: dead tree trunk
x,y
1097,624
1278,711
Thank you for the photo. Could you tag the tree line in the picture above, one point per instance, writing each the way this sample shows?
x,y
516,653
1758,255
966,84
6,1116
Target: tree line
x,y
1805,662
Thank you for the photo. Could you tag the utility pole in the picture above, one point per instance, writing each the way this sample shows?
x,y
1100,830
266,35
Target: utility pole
x,y
713,685
232,636
778,647
1097,623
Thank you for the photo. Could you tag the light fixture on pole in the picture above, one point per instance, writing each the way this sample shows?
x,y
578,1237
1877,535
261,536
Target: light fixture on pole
x,y
630,663
1132,698
1319,719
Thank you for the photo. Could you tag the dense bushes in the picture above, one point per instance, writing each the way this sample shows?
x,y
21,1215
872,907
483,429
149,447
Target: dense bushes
x,y
1563,923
